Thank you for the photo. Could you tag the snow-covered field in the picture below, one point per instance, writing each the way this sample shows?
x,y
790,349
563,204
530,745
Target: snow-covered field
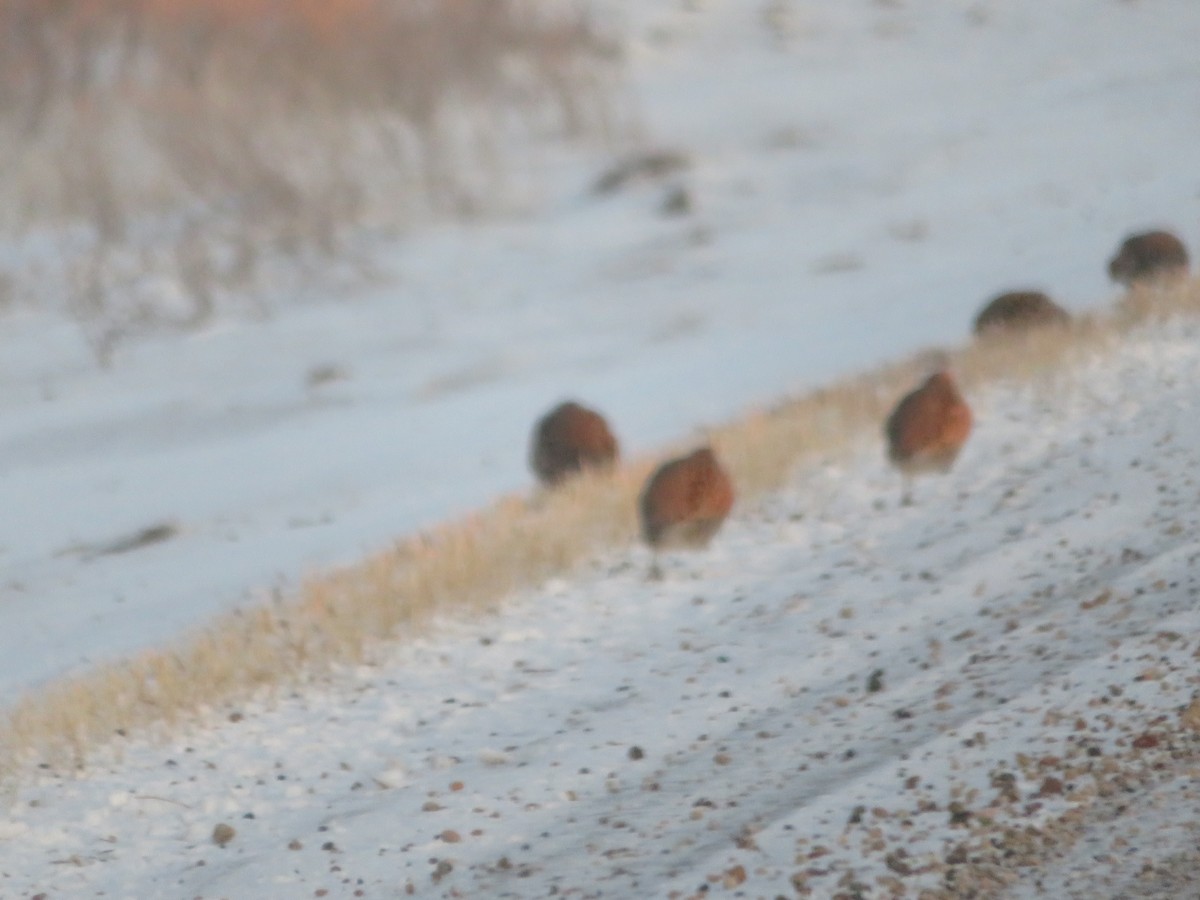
x,y
862,181
863,176
844,691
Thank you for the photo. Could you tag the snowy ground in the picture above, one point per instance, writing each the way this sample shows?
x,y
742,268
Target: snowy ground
x,y
864,175
844,694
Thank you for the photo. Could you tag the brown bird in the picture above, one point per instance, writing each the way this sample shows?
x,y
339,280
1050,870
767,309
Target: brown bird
x,y
927,429
685,502
1018,311
1149,256
569,439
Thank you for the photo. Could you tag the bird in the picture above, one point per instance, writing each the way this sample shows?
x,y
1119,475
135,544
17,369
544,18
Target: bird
x,y
1148,256
685,502
568,439
1018,311
927,429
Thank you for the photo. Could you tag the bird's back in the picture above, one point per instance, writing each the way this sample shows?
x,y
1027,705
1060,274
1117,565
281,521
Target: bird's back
x,y
686,501
1152,254
929,426
1017,311
569,438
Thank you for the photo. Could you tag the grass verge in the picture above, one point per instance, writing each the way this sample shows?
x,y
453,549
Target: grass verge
x,y
344,616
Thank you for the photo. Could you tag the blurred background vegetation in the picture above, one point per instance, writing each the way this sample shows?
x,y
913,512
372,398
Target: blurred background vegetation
x,y
164,159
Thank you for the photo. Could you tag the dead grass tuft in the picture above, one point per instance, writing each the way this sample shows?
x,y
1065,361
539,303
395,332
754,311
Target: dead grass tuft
x,y
343,616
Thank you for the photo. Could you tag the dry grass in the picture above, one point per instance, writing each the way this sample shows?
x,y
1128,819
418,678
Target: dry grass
x,y
204,143
345,616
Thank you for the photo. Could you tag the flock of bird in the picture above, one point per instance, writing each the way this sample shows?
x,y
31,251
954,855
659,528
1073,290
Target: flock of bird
x,y
686,500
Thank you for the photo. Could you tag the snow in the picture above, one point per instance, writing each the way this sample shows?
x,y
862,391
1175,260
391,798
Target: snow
x,y
865,175
835,656
882,164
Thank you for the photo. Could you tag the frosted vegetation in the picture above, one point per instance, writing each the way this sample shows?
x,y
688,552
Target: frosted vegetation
x,y
164,159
